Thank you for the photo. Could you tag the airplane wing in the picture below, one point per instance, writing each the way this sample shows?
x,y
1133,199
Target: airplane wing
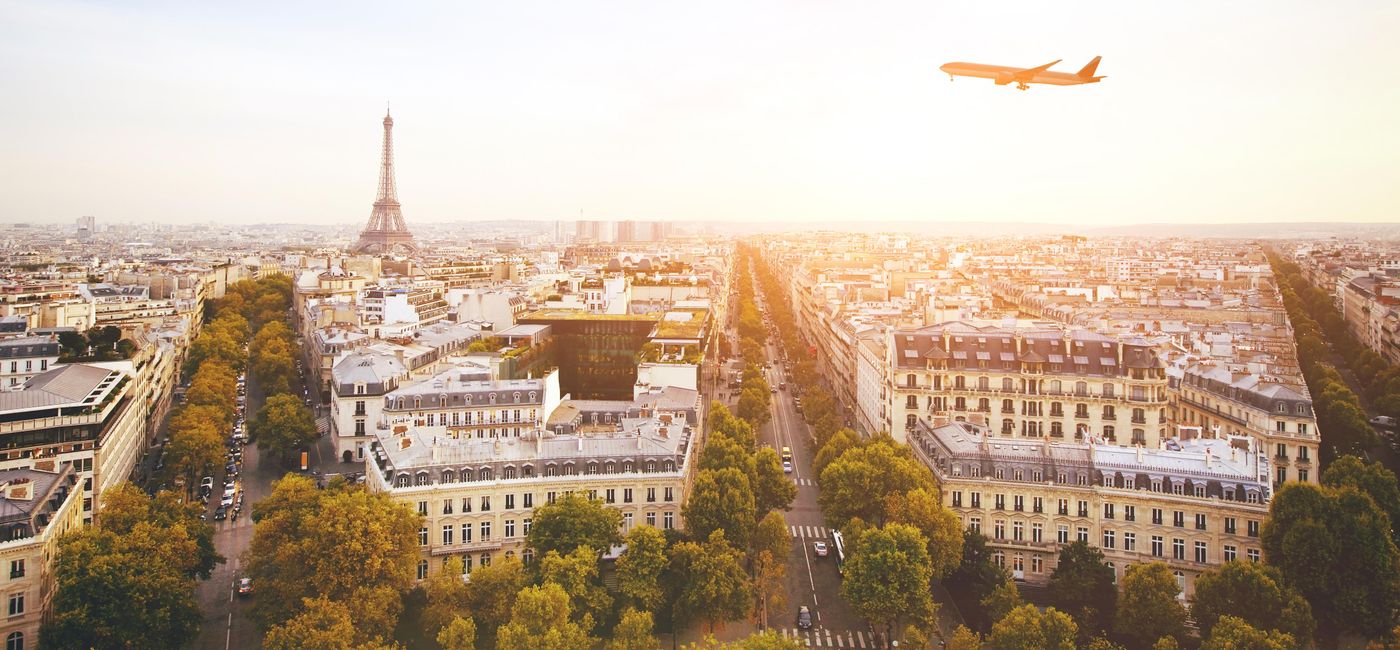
x,y
1031,72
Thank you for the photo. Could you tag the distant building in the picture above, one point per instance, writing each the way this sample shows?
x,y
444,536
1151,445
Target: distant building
x,y
23,358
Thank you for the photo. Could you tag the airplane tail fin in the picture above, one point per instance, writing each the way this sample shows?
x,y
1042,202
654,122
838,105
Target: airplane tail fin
x,y
1088,70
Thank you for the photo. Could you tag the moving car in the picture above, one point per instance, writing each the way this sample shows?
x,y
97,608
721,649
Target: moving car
x,y
245,587
221,513
820,547
787,467
804,618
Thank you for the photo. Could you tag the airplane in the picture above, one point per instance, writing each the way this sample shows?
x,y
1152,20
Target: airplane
x,y
1004,75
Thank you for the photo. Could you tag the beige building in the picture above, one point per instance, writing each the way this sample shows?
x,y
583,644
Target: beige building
x,y
1033,381
1192,503
477,494
38,504
1278,415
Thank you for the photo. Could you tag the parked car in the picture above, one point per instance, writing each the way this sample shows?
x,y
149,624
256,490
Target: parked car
x,y
820,548
1384,421
804,617
221,513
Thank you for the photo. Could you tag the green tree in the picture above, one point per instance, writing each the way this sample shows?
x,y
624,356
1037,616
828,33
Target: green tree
x,y
977,576
965,639
722,451
577,573
773,535
923,509
1253,592
459,634
1166,643
300,550
1371,479
446,594
641,567
710,581
151,566
542,619
214,385
572,521
633,632
217,348
833,448
1232,633
772,489
1002,600
1082,583
195,447
322,625
887,576
1028,627
753,407
124,506
1334,545
283,425
492,591
1148,609
721,500
859,482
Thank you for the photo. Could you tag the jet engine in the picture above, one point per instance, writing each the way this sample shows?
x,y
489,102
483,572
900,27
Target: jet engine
x,y
1004,78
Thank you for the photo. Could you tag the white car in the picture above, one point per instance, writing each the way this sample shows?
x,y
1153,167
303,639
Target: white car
x,y
820,548
787,467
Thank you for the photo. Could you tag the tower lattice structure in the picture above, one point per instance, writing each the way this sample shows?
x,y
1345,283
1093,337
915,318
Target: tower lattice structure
x,y
386,231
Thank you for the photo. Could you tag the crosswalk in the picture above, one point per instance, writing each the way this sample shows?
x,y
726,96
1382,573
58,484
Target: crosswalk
x,y
830,639
805,481
810,532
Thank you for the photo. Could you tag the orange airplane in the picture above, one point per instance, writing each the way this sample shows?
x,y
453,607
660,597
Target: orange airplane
x,y
1004,75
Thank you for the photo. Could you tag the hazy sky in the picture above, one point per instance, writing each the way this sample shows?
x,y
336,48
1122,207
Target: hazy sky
x,y
1246,110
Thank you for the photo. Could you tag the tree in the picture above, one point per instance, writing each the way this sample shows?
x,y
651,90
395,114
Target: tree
x,y
915,637
769,574
721,500
1166,643
633,632
887,576
722,451
965,639
459,634
772,490
283,425
833,448
195,446
214,385
124,506
346,544
1082,583
1372,479
322,625
1255,593
765,640
492,591
640,568
1028,627
1002,600
1148,609
977,576
773,535
151,566
924,510
1232,633
446,594
858,483
577,573
572,521
541,618
1335,546
710,582
753,407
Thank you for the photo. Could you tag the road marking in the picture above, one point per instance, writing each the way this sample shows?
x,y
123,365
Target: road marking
x,y
839,643
828,637
851,639
861,636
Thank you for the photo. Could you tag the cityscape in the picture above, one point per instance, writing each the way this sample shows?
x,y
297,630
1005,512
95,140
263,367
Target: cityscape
x,y
637,425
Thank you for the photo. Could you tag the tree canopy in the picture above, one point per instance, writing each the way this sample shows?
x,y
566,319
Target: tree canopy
x,y
1255,593
1082,584
721,500
888,574
1148,609
574,520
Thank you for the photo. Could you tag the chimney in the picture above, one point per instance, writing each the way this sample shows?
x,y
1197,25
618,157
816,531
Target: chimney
x,y
1139,453
1209,459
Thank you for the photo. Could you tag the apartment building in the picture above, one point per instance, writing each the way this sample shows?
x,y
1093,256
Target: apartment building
x,y
1279,416
22,358
477,494
1033,380
38,504
1191,503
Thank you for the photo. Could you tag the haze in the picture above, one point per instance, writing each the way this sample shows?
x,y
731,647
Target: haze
x,y
777,111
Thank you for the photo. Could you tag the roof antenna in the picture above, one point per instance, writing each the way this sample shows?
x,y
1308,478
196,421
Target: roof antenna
x,y
386,108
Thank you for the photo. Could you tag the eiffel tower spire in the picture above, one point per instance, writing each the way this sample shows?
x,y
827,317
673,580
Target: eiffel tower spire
x,y
386,231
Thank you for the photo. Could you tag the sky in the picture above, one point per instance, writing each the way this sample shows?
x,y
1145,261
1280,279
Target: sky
x,y
754,111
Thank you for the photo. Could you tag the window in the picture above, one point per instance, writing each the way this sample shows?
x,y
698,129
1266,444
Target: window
x,y
423,536
627,521
1037,532
1083,508
1200,522
610,495
485,531
1063,507
651,495
485,559
510,528
1129,541
1229,553
1108,511
1157,516
1178,519
1253,527
466,533
651,519
670,495
525,526
1129,513
16,569
627,495
510,502
1062,534
529,501
1082,534
422,569
957,499
447,506
1157,546
999,529
16,604
1108,539
1253,554
974,524
447,534
668,520
466,504
423,508
1178,548
977,499
1000,502
1018,531
1201,552
1037,505
15,640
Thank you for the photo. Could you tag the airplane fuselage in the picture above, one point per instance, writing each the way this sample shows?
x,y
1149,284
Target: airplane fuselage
x,y
1003,75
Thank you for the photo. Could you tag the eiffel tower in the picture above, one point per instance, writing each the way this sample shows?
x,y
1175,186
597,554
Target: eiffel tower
x,y
386,231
